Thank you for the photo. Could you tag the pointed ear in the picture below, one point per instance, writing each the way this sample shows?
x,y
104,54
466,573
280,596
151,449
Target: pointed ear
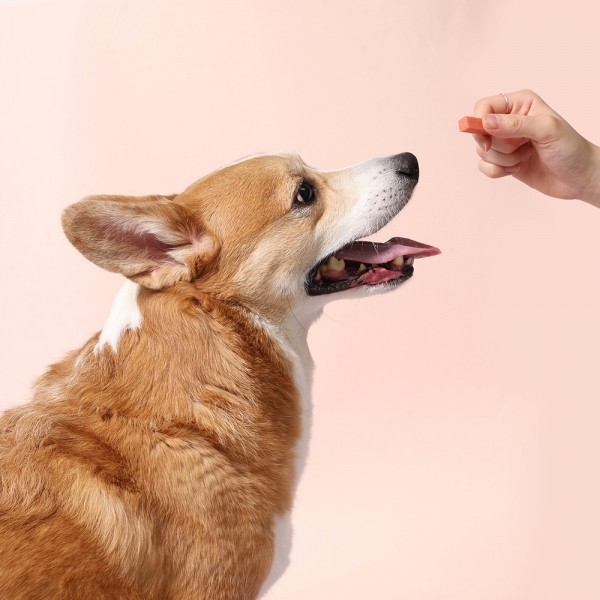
x,y
152,240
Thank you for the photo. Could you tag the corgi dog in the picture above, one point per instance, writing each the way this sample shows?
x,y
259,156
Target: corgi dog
x,y
159,460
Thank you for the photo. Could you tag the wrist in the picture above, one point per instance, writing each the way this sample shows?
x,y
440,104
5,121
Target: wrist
x,y
591,192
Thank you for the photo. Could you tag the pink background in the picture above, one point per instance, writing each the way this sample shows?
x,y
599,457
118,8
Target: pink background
x,y
455,453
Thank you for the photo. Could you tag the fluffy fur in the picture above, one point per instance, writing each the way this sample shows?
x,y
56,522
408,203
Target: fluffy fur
x,y
154,461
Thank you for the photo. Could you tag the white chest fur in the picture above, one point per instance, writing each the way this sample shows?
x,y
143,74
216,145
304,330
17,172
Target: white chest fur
x,y
293,342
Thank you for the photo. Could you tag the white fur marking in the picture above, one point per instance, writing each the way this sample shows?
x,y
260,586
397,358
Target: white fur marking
x,y
124,314
282,533
293,342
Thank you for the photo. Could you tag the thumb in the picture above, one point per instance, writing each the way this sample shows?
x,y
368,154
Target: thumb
x,y
540,128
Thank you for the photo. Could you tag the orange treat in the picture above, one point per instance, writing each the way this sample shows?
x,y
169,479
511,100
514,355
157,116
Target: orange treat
x,y
471,125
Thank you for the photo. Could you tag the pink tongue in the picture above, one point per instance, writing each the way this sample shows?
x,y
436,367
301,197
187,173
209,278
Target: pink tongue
x,y
378,252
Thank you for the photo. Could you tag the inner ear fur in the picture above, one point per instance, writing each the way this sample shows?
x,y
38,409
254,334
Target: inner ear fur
x,y
153,240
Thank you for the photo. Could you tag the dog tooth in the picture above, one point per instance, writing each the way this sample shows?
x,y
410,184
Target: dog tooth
x,y
362,268
333,264
398,261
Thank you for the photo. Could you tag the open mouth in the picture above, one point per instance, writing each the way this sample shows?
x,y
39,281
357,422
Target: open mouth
x,y
363,263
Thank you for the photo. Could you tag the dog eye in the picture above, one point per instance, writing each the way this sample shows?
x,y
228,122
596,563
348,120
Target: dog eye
x,y
305,194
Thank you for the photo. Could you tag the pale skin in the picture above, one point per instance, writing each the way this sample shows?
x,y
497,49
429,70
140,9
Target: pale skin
x,y
530,141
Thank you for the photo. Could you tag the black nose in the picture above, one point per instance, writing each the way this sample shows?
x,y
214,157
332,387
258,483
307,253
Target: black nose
x,y
407,165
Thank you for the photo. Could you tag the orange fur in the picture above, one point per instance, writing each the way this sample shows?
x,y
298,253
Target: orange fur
x,y
154,469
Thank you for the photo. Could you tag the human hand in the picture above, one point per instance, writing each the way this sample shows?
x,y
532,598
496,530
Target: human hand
x,y
537,146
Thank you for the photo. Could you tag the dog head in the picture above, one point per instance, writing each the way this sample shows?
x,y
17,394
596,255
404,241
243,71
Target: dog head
x,y
268,231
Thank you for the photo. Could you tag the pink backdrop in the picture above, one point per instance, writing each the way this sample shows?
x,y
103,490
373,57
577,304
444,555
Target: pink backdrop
x,y
455,453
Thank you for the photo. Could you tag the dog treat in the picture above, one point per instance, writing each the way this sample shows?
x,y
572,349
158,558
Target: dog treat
x,y
471,125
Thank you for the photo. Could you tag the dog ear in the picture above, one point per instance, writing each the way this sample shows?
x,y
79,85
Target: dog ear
x,y
152,240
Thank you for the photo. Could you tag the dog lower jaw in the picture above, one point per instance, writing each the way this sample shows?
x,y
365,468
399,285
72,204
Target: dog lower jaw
x,y
388,280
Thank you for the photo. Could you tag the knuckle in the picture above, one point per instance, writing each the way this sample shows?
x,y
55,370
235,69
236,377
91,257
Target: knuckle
x,y
529,95
513,123
552,125
482,107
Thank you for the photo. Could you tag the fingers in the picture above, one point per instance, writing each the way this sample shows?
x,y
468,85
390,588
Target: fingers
x,y
498,164
522,102
521,115
506,160
506,146
494,171
540,128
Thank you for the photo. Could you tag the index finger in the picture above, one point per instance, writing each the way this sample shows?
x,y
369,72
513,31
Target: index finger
x,y
498,104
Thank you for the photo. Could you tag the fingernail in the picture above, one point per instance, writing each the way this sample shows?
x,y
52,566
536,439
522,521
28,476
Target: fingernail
x,y
484,142
491,122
